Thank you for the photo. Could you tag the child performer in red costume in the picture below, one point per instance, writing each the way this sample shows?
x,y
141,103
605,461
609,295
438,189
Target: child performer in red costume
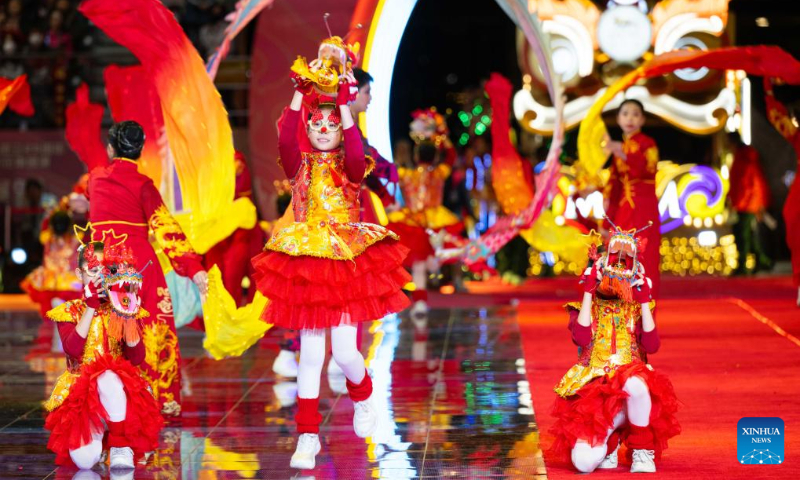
x,y
631,191
102,341
127,201
612,393
423,192
54,281
780,119
327,270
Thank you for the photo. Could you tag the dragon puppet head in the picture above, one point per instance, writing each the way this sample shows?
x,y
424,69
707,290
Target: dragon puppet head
x,y
619,265
115,264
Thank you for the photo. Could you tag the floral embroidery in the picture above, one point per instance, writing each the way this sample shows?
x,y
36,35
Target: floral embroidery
x,y
613,344
326,210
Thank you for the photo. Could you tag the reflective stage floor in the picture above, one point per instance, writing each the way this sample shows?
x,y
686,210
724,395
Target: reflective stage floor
x,y
451,391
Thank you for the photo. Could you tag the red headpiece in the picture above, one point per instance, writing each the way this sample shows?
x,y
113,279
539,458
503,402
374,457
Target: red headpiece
x,y
428,124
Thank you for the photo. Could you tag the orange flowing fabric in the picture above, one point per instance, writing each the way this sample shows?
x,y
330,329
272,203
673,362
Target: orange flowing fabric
x,y
509,178
83,127
761,60
16,95
132,96
200,137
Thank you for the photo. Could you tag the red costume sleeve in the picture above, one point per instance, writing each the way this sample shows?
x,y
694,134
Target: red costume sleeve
x,y
779,117
169,234
612,189
73,343
288,146
581,336
650,341
355,164
749,191
761,194
135,355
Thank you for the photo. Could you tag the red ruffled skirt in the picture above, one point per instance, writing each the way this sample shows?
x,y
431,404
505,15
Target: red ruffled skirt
x,y
307,292
590,412
417,240
72,423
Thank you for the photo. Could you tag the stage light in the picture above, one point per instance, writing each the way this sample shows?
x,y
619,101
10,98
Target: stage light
x,y
707,238
19,256
386,32
746,112
477,110
762,22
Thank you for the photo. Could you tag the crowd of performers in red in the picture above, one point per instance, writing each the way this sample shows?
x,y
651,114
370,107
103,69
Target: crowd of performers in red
x,y
336,260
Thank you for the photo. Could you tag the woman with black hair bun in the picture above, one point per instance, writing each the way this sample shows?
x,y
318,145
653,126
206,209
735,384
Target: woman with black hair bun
x,y
126,202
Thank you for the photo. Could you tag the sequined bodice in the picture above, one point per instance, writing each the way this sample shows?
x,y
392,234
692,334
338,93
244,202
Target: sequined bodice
x,y
614,335
423,186
614,344
324,193
60,255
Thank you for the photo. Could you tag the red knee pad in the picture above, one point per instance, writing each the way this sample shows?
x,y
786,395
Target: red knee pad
x,y
116,435
362,391
308,417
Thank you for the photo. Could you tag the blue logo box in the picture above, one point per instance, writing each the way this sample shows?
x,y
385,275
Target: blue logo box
x,y
759,441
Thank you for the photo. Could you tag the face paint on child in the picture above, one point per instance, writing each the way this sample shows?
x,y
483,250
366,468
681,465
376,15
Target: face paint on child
x,y
325,129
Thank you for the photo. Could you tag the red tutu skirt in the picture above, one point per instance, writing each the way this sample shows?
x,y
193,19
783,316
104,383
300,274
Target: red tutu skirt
x,y
589,413
72,423
307,292
417,240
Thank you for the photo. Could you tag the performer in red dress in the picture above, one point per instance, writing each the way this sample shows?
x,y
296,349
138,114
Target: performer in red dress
x,y
54,282
326,269
126,201
422,185
631,190
102,389
779,117
612,396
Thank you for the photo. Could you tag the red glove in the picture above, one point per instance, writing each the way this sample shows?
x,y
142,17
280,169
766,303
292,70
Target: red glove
x,y
301,84
91,296
641,293
345,94
590,281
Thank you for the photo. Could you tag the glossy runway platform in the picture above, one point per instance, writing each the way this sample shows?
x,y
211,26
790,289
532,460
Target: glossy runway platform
x,y
456,391
451,390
